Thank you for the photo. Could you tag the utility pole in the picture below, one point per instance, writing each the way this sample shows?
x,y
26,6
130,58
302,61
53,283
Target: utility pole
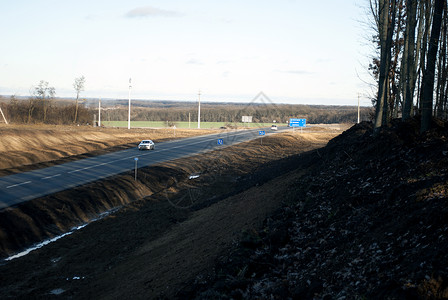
x,y
99,112
129,110
199,109
358,108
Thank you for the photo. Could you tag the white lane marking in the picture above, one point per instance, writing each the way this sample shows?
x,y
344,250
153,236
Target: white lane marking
x,y
14,185
52,176
79,170
199,142
125,158
93,166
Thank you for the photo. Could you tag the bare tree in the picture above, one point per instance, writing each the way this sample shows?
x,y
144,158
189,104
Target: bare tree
x,y
427,88
31,106
395,75
408,39
79,87
409,68
441,90
384,12
43,93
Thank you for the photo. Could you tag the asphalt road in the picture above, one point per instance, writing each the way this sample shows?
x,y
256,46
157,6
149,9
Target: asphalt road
x,y
22,187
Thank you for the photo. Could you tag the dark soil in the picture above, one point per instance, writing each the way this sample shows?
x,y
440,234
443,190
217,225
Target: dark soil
x,y
369,220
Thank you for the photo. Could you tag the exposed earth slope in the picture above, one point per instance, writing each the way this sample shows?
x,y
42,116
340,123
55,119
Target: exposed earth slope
x,y
369,220
164,216
363,218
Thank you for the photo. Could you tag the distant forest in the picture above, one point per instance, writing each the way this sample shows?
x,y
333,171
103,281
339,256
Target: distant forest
x,y
233,112
62,111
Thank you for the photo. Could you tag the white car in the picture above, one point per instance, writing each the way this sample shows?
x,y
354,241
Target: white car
x,y
274,127
146,145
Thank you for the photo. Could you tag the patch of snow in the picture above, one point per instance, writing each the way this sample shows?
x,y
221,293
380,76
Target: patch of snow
x,y
57,291
75,278
44,243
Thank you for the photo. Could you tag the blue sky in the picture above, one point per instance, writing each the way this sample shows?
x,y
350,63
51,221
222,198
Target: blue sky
x,y
295,51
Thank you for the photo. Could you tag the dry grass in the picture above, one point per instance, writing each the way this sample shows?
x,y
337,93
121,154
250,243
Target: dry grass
x,y
22,145
26,145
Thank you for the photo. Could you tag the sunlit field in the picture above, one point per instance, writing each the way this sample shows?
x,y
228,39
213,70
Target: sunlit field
x,y
162,124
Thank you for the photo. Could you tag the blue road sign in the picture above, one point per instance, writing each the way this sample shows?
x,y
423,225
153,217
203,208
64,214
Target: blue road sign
x,y
261,132
220,141
297,122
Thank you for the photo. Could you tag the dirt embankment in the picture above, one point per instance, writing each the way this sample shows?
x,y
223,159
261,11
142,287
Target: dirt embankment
x,y
174,226
43,218
368,221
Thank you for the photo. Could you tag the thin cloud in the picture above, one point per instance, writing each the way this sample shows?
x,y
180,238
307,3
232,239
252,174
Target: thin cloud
x,y
297,72
224,62
226,21
150,11
194,61
91,17
323,60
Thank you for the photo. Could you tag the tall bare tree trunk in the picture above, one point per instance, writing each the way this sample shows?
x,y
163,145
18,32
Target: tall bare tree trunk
x,y
395,96
427,93
419,50
31,106
45,109
76,108
79,86
385,29
408,63
426,20
442,74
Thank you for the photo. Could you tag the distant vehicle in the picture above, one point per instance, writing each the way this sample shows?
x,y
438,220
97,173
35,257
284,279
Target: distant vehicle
x,y
223,127
274,127
146,145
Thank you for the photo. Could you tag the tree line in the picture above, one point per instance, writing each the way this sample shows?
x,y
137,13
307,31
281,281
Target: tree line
x,y
233,113
64,111
411,66
45,111
43,106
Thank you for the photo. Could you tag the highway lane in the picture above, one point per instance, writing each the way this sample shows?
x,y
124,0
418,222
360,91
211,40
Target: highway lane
x,y
26,186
